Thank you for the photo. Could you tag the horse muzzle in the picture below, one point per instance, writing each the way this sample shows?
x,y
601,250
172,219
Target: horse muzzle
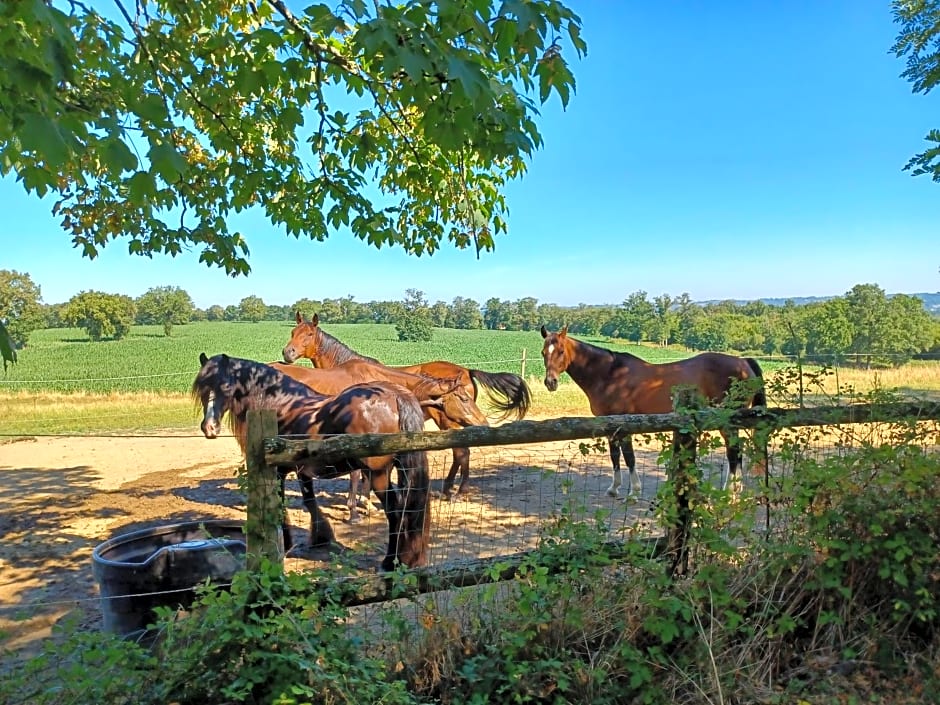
x,y
289,354
551,383
210,429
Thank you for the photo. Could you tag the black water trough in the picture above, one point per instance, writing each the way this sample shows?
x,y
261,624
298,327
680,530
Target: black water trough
x,y
141,570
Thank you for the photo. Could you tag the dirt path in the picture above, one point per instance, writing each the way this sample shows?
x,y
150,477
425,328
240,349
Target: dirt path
x,y
60,497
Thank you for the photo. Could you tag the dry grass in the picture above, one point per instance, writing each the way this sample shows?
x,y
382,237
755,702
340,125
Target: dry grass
x,y
51,413
36,413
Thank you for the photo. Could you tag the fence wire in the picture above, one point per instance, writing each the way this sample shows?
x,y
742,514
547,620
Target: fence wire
x,y
58,501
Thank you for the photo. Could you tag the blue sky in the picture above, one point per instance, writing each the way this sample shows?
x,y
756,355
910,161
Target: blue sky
x,y
730,150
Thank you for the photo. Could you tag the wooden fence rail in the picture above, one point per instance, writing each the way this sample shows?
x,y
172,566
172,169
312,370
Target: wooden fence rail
x,y
267,452
286,451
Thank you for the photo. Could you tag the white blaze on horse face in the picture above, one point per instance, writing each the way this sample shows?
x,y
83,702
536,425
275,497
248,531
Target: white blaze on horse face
x,y
551,380
211,421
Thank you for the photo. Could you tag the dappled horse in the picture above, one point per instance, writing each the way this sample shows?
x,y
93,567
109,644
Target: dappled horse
x,y
445,396
234,385
507,392
621,383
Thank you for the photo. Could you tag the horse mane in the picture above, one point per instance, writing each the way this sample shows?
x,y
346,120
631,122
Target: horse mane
x,y
338,351
598,350
429,382
268,379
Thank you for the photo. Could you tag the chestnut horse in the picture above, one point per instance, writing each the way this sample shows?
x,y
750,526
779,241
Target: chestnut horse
x,y
233,385
447,397
621,383
507,392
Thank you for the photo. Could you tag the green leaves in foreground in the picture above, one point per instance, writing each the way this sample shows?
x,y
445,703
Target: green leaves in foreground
x,y
400,123
7,352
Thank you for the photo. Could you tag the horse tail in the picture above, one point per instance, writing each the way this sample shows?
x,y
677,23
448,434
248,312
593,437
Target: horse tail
x,y
508,392
414,490
760,396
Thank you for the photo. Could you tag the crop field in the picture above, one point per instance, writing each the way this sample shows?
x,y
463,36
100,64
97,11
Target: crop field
x,y
65,384
65,360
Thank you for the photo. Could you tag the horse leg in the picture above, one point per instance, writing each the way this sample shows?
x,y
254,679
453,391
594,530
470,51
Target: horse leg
x,y
388,498
352,498
733,448
629,457
285,525
464,461
321,533
461,463
614,447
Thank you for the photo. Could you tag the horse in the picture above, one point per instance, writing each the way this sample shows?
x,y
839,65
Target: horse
x,y
234,385
445,396
621,383
507,392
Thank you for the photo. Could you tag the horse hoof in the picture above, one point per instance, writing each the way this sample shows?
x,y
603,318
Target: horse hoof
x,y
613,493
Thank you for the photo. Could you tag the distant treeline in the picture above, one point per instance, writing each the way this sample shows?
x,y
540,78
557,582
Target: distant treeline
x,y
864,326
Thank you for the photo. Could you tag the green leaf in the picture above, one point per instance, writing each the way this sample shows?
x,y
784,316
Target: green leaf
x,y
118,156
150,108
7,352
467,74
167,162
41,135
141,187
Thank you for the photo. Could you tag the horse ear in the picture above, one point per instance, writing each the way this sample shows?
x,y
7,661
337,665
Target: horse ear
x,y
298,316
564,331
203,359
544,332
315,320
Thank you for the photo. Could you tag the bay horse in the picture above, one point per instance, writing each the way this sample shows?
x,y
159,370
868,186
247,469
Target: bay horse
x,y
234,385
621,383
507,392
445,396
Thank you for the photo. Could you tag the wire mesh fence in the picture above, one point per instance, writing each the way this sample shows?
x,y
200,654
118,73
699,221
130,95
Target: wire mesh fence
x,y
63,495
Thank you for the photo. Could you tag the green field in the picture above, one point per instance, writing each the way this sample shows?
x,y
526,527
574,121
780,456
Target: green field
x,y
66,384
64,360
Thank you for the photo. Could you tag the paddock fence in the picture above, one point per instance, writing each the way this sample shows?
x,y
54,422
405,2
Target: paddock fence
x,y
684,465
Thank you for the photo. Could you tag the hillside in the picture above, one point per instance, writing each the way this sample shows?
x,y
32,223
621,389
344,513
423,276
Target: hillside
x,y
931,301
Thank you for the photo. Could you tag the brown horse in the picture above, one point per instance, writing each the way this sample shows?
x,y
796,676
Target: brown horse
x,y
236,386
621,383
508,392
445,396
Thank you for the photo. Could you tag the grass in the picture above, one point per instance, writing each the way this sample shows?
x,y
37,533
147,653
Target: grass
x,y
66,384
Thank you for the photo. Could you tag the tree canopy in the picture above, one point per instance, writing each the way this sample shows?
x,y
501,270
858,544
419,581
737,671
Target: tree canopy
x,y
101,315
154,123
165,305
20,306
918,42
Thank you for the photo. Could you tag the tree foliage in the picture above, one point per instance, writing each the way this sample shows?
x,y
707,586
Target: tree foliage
x,y
414,323
7,349
918,42
252,308
165,305
155,128
20,306
101,315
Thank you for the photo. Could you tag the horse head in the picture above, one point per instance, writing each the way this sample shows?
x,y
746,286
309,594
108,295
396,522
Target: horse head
x,y
450,398
459,406
207,391
304,339
556,356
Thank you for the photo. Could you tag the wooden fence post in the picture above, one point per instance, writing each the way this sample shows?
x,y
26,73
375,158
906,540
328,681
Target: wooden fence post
x,y
684,475
263,488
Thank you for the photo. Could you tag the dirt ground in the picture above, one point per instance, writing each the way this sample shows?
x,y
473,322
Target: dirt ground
x,y
60,497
